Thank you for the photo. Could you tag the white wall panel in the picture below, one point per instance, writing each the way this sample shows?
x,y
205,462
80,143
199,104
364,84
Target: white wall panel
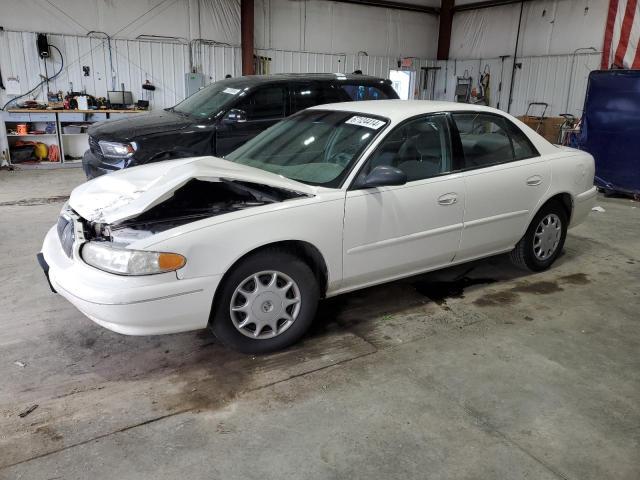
x,y
325,26
541,79
549,27
163,64
212,19
286,61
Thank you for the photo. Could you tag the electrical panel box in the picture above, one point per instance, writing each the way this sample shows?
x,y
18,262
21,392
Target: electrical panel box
x,y
193,82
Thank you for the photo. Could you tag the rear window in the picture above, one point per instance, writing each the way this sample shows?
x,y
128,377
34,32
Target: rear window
x,y
358,92
305,96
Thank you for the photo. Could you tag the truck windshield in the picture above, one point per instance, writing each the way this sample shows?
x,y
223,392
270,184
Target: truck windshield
x,y
315,147
207,102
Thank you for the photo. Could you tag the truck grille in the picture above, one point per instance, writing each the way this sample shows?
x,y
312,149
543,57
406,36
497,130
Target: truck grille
x,y
66,234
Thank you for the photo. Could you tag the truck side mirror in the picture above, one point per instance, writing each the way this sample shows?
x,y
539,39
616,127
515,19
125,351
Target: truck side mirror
x,y
235,115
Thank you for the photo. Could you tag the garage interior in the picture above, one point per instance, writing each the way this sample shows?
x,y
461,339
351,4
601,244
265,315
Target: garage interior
x,y
476,371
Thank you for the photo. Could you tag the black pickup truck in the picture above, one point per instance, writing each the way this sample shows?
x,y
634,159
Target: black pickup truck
x,y
220,117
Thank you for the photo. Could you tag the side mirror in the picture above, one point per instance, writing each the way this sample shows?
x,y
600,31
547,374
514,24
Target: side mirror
x,y
235,115
382,176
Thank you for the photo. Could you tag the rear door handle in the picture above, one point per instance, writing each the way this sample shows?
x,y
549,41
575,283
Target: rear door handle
x,y
448,199
534,180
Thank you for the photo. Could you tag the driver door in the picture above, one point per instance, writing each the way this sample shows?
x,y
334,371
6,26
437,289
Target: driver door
x,y
396,231
263,108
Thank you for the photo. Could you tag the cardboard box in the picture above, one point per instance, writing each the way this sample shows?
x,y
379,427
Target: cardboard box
x,y
548,127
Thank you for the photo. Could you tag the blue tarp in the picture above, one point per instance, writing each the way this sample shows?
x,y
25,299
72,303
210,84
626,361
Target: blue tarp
x,y
611,128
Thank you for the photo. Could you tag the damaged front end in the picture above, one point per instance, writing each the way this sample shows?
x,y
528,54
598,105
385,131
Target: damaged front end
x,y
195,200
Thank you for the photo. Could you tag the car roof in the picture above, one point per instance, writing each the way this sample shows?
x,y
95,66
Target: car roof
x,y
398,110
252,80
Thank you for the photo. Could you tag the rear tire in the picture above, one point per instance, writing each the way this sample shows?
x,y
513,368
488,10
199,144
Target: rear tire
x,y
544,239
266,303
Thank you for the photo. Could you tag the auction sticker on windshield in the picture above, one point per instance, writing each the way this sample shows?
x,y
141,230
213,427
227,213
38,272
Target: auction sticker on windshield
x,y
372,123
231,91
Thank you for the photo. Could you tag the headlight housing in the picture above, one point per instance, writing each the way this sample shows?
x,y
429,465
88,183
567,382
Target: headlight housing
x,y
123,261
117,149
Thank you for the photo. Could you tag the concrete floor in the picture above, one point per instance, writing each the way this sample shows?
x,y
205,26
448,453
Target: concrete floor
x,y
482,372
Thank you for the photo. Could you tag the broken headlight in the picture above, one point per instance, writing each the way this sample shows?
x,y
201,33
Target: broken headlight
x,y
123,261
117,150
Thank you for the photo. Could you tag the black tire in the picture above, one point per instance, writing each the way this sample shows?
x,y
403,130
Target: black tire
x,y
221,323
523,254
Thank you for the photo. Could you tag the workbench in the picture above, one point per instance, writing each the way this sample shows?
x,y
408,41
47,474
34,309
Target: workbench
x,y
71,144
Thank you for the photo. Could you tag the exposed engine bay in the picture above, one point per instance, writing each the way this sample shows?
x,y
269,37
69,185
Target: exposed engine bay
x,y
194,201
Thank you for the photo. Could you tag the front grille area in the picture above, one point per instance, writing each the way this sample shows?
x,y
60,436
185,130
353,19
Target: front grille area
x,y
94,147
66,234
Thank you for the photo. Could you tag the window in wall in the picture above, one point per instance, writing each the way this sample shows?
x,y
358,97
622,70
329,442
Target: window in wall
x,y
421,148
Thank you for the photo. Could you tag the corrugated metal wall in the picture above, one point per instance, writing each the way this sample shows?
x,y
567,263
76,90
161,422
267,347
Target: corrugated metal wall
x,y
547,79
163,64
285,61
541,79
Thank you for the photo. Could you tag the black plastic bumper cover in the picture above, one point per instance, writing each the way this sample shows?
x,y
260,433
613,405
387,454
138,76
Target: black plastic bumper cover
x,y
45,268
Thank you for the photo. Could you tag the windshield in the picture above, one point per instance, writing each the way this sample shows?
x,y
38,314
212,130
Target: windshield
x,y
209,101
315,147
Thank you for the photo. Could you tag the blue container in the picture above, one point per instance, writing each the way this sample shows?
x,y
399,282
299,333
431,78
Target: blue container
x,y
611,129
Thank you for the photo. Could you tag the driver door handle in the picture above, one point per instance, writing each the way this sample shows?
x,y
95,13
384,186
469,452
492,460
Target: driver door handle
x,y
448,199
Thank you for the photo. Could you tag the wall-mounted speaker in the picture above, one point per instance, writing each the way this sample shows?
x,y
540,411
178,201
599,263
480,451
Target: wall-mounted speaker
x,y
43,46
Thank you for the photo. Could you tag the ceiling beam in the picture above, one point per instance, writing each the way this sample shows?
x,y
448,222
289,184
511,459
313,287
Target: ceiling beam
x,y
486,4
411,7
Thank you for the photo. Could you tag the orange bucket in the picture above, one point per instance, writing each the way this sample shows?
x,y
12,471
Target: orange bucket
x,y
22,129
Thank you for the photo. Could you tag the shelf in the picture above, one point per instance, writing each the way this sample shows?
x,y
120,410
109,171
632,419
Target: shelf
x,y
33,135
46,165
73,144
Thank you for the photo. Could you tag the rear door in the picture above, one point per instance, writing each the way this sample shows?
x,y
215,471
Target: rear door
x,y
505,178
262,108
310,94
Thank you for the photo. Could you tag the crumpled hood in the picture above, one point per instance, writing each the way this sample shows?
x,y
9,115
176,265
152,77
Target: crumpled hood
x,y
127,193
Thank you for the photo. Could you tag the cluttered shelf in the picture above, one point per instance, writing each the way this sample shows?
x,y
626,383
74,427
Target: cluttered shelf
x,y
32,135
63,137
49,110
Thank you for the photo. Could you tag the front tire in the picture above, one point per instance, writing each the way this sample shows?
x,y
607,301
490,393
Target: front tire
x,y
544,239
267,303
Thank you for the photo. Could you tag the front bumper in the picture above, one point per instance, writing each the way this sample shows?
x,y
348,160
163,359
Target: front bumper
x,y
144,305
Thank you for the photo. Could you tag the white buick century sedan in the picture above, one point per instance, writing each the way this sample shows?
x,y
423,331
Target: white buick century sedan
x,y
333,199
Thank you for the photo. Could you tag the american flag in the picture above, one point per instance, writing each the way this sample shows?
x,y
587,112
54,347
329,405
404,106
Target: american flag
x,y
621,35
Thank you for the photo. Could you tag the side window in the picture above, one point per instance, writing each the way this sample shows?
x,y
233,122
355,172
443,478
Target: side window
x,y
522,146
363,92
421,148
265,103
484,139
305,96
